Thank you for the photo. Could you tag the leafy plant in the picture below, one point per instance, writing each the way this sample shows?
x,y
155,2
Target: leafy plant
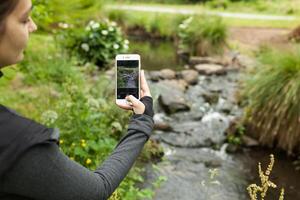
x,y
254,189
98,43
236,138
202,35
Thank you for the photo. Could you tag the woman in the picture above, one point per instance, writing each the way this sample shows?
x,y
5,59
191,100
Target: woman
x,y
31,164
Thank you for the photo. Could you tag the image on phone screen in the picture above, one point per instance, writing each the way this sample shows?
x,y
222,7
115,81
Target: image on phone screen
x,y
127,78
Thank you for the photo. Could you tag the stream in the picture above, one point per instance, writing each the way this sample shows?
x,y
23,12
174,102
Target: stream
x,y
193,119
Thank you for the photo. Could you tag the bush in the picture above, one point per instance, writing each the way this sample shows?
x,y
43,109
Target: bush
x,y
202,35
98,43
272,94
45,63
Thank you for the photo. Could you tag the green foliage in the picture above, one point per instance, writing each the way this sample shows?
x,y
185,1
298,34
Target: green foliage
x,y
202,35
272,94
223,4
128,191
45,63
153,24
80,103
48,13
98,42
236,138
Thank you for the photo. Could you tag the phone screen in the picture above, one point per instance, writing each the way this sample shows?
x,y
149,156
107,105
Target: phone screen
x,y
127,78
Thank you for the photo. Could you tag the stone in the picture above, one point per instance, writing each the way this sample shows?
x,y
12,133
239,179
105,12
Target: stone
x,y
154,75
190,76
167,74
175,84
160,123
249,142
213,163
233,148
171,96
244,62
224,106
173,101
210,69
211,97
195,60
208,132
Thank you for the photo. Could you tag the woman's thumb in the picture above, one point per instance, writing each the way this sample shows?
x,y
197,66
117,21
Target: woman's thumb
x,y
135,102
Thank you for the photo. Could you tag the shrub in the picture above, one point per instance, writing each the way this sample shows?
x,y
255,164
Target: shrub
x,y
202,35
98,43
44,63
272,94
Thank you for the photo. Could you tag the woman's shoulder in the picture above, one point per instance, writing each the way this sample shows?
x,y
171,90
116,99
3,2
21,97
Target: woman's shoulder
x,y
11,120
13,123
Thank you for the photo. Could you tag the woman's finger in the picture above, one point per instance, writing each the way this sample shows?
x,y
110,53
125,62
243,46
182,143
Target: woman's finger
x,y
135,102
144,84
124,106
137,105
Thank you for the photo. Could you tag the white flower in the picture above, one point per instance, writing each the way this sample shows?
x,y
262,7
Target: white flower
x,y
116,46
49,117
85,47
95,25
63,25
113,24
104,32
91,23
126,46
126,42
111,29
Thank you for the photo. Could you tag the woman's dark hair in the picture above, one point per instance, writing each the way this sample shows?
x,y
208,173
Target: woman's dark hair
x,y
6,7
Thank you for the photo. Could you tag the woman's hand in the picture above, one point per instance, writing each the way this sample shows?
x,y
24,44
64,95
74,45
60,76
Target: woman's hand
x,y
145,103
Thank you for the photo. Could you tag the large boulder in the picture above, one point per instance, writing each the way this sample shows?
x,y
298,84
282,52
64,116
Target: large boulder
x,y
171,96
173,101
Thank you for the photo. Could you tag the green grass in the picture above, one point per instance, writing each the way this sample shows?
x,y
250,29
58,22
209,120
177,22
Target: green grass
x,y
275,7
272,93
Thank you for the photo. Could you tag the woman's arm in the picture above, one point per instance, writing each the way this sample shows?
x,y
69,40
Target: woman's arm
x,y
45,173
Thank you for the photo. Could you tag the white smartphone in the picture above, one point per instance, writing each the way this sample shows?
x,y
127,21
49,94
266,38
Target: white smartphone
x,y
128,68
